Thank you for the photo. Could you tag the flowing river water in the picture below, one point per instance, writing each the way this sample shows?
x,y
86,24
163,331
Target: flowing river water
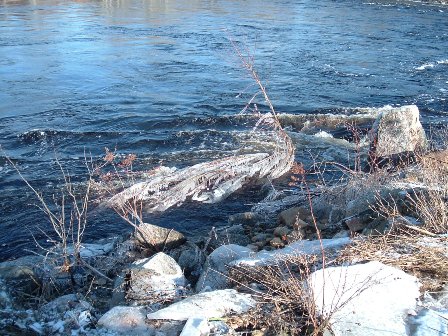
x,y
160,79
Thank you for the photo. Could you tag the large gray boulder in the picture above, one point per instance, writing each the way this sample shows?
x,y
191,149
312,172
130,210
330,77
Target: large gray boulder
x,y
208,305
365,299
155,279
214,275
397,131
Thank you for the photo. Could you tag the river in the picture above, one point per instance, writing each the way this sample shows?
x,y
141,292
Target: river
x,y
160,79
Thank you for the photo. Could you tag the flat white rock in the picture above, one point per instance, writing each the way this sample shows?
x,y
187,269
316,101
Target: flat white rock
x,y
300,247
367,299
207,305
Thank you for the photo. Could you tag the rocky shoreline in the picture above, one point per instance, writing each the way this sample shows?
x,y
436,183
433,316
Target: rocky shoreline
x,y
357,257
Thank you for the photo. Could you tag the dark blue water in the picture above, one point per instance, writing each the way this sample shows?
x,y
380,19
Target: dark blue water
x,y
160,79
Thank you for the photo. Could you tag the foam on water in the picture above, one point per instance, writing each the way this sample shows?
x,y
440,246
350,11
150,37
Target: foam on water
x,y
431,65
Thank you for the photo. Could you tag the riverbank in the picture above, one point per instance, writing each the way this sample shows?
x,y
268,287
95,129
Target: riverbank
x,y
361,255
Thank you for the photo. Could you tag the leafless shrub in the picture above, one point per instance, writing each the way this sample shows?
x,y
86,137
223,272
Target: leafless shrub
x,y
68,218
67,215
432,209
285,302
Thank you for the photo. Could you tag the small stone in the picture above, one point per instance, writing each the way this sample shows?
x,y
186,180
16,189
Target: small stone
x,y
281,231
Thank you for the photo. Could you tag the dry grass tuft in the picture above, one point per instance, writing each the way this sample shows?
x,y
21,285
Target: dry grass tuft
x,y
286,303
420,255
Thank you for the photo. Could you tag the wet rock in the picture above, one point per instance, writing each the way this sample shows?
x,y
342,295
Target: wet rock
x,y
155,279
215,271
377,227
126,320
207,305
397,131
158,237
127,251
288,216
365,299
260,244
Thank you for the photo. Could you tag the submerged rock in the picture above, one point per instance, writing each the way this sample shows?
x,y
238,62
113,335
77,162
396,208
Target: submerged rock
x,y
208,305
365,299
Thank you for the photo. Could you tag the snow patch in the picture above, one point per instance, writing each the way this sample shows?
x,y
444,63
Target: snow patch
x,y
365,299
